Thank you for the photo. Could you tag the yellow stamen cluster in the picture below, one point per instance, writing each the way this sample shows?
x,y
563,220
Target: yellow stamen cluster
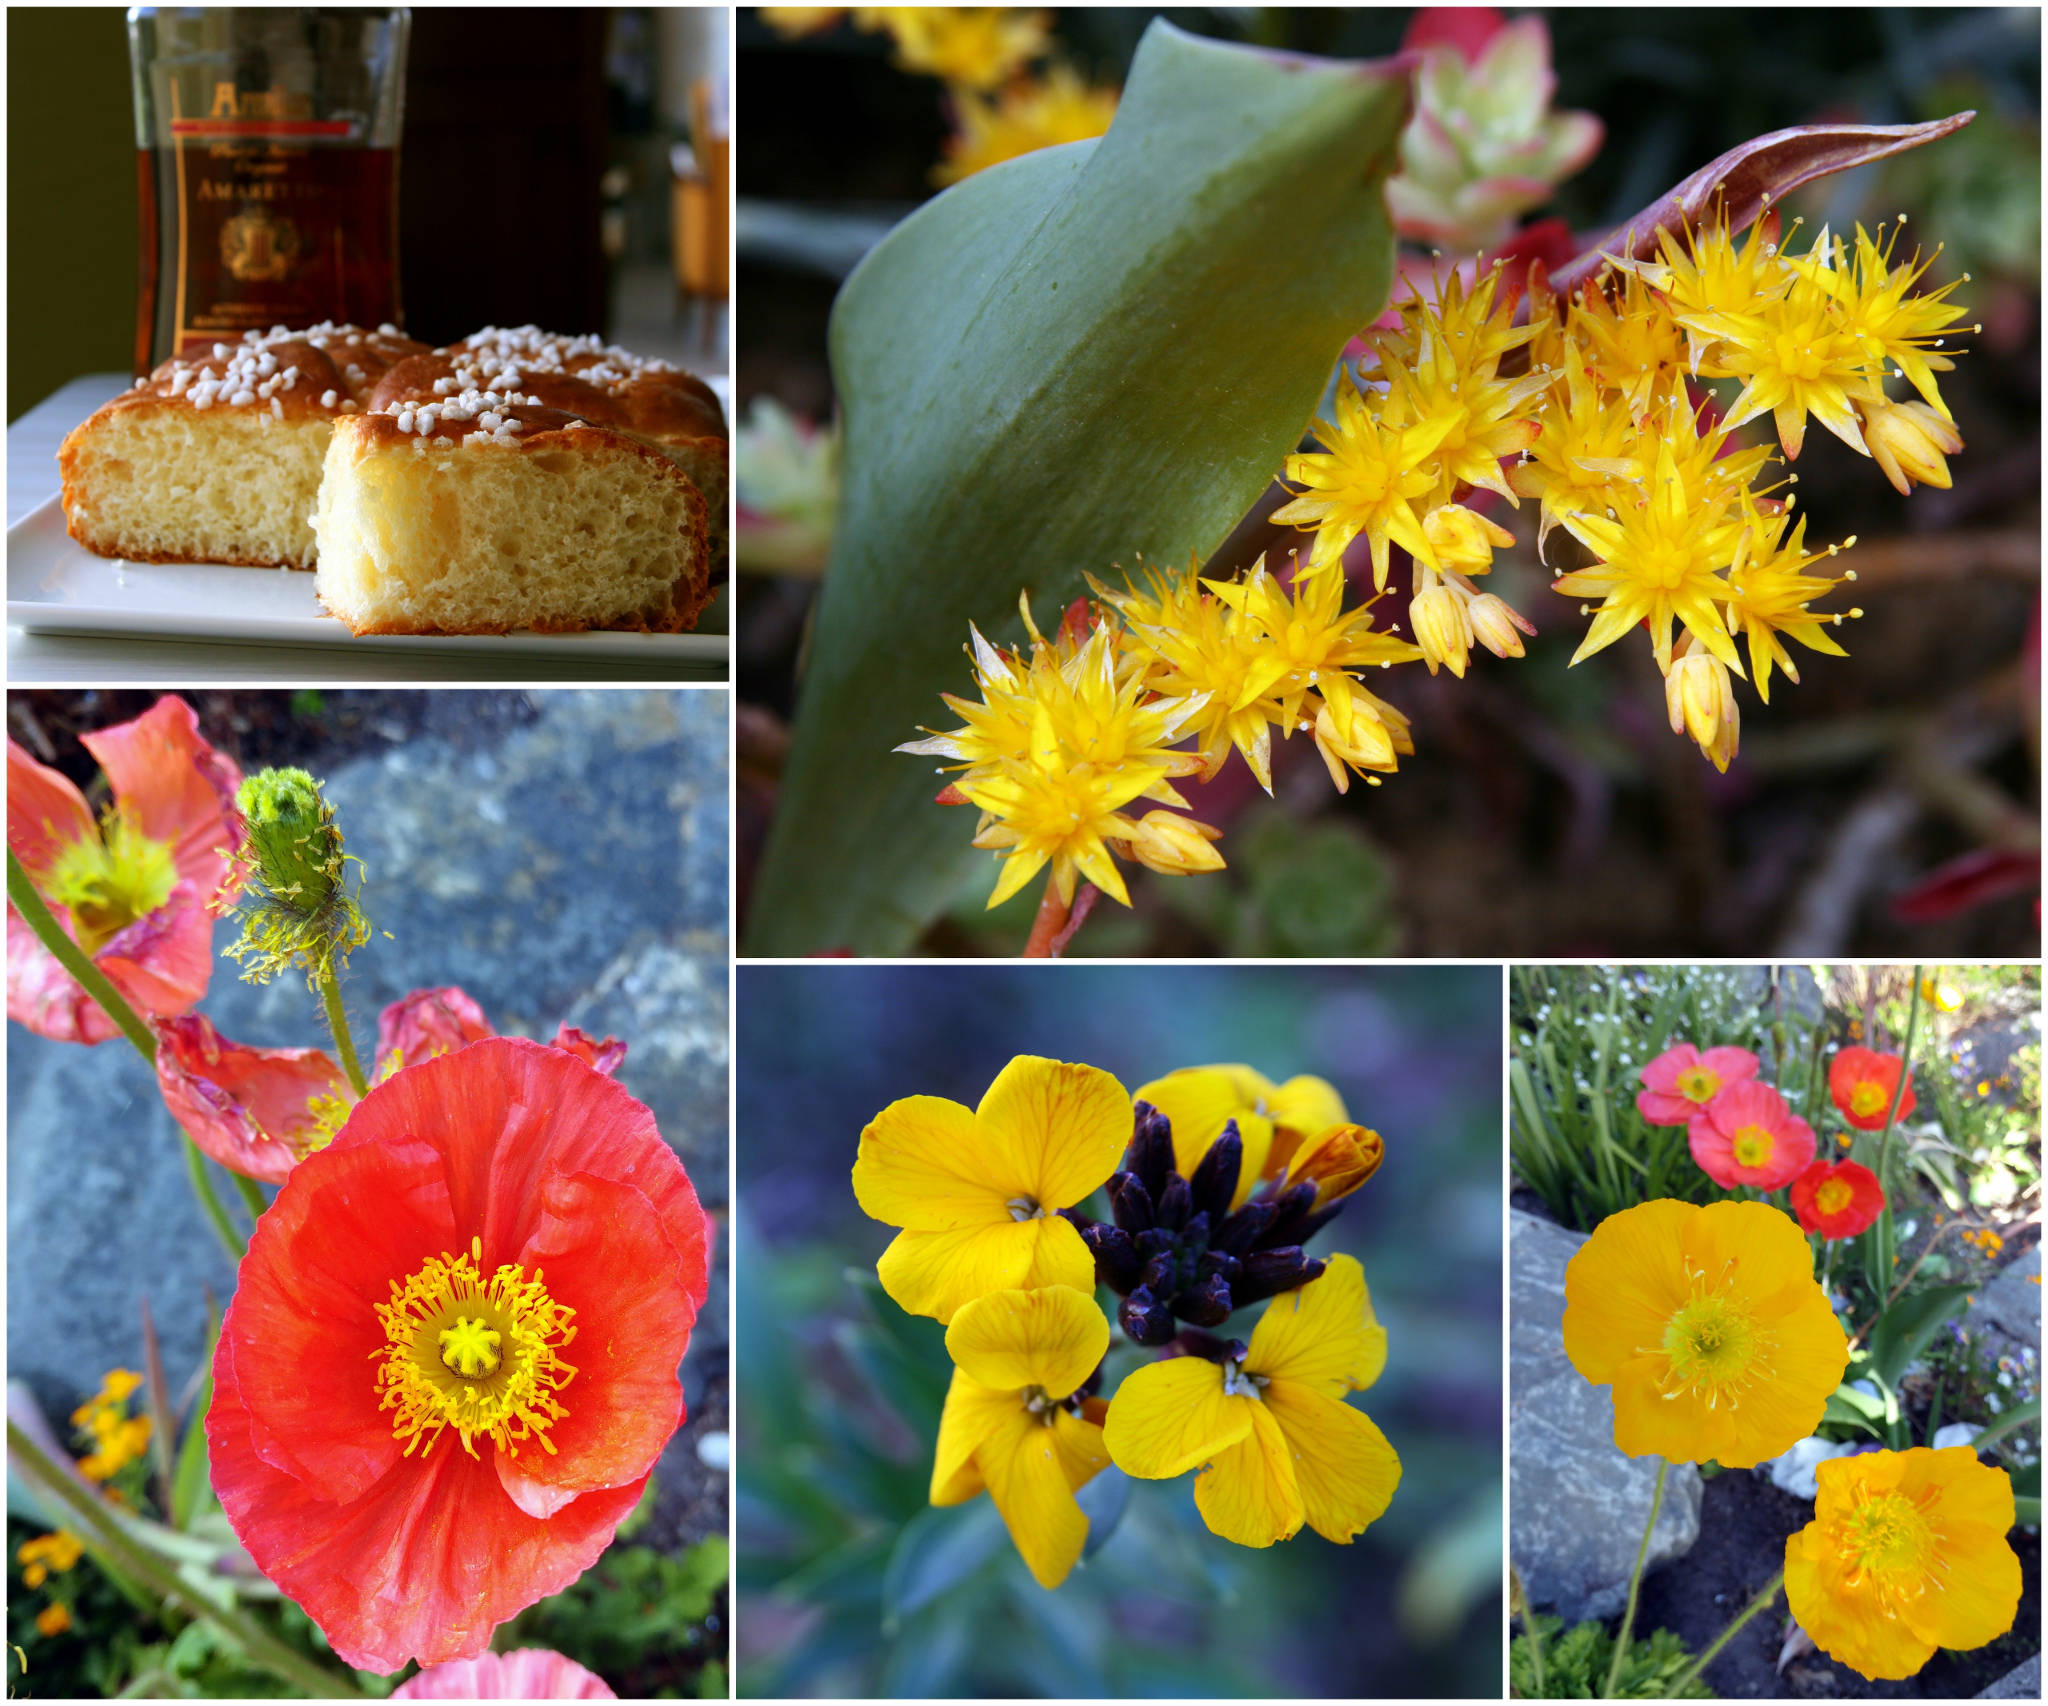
x,y
117,1437
480,1355
109,880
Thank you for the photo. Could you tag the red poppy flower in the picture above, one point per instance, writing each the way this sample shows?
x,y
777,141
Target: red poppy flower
x,y
529,1673
1747,1136
131,889
260,1111
1862,1082
1681,1081
451,1357
1838,1201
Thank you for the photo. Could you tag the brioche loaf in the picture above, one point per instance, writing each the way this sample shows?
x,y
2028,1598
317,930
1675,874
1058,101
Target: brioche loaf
x,y
552,515
485,511
217,459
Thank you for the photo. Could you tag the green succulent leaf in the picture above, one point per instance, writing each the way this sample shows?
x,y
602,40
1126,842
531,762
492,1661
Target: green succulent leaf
x,y
1085,355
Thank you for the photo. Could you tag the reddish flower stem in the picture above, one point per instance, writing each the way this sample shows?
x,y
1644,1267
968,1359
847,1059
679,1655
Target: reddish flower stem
x,y
1056,923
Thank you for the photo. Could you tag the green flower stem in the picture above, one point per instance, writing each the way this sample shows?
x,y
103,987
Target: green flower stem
x,y
1885,1245
2018,1417
252,1198
107,1538
75,960
202,1186
1635,1586
1699,1665
337,1022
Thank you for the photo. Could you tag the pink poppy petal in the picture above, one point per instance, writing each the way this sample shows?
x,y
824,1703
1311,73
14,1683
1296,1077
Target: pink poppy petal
x,y
528,1673
45,812
245,1107
607,1054
428,1022
178,789
45,998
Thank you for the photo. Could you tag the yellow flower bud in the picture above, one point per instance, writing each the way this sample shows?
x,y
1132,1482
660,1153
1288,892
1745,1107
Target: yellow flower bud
x,y
1337,1160
1495,623
1910,442
1463,539
1443,628
1175,845
1700,695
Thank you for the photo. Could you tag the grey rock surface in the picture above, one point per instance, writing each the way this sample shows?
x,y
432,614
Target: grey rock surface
x,y
570,866
1576,1505
2022,1682
2008,1310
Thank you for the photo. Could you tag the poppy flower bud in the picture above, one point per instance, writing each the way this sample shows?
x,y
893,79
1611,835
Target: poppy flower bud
x,y
1144,1319
1206,1305
295,908
1129,1202
1215,1180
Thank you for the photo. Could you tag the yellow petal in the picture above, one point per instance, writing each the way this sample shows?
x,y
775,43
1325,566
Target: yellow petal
x,y
973,1414
1198,1100
920,1166
1018,869
1023,1465
1323,1335
1170,1417
934,1273
1052,1338
1846,1622
1346,1470
1299,1107
1082,1454
1249,1494
1622,1286
1060,1129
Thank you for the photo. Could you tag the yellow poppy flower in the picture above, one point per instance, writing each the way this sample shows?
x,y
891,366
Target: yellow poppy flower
x,y
1281,1445
1271,1118
1906,1552
1708,1325
978,1191
1012,1424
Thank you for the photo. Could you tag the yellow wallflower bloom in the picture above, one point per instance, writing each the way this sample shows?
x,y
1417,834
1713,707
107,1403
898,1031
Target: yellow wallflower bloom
x,y
1028,116
1012,1424
1280,1444
978,1191
1337,1160
1708,1325
1907,1552
1272,1119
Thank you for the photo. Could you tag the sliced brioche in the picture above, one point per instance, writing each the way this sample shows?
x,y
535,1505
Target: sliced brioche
x,y
217,459
481,513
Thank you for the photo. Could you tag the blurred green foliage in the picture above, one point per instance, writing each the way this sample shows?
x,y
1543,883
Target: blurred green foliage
x,y
1573,1666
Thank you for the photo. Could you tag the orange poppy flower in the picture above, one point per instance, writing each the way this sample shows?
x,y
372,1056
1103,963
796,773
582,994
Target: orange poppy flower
x,y
528,1673
260,1111
1907,1552
1862,1082
131,889
1837,1201
1709,1326
451,1357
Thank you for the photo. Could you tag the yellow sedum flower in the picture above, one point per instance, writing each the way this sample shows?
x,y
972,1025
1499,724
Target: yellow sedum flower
x,y
1769,590
1709,1327
1012,1424
1280,1444
1700,698
1907,1552
1027,116
977,1191
1272,1119
976,47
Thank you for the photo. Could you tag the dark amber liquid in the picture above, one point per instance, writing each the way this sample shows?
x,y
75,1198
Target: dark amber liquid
x,y
262,232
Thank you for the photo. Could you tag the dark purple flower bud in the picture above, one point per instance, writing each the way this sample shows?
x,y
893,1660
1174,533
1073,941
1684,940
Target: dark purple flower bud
x,y
1116,1257
1194,1237
1241,1231
1215,1180
1268,1273
1150,1155
1130,1201
1289,1207
1216,1262
1144,1319
1206,1305
1153,1241
1160,1273
1171,1211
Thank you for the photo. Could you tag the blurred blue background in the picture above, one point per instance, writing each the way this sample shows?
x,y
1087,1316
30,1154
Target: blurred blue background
x,y
849,1584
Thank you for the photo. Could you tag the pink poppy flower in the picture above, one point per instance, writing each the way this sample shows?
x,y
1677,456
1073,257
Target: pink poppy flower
x,y
528,1673
131,889
1681,1081
1747,1136
261,1111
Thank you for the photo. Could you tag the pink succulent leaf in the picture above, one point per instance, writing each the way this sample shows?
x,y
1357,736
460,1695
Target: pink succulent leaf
x,y
1765,167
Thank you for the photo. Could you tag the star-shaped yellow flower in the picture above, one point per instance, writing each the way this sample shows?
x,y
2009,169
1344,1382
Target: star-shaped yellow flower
x,y
978,1191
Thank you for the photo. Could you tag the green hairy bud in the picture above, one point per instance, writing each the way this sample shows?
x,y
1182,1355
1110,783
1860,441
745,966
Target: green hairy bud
x,y
295,908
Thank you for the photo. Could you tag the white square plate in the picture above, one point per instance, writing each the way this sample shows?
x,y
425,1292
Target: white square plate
x,y
56,586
